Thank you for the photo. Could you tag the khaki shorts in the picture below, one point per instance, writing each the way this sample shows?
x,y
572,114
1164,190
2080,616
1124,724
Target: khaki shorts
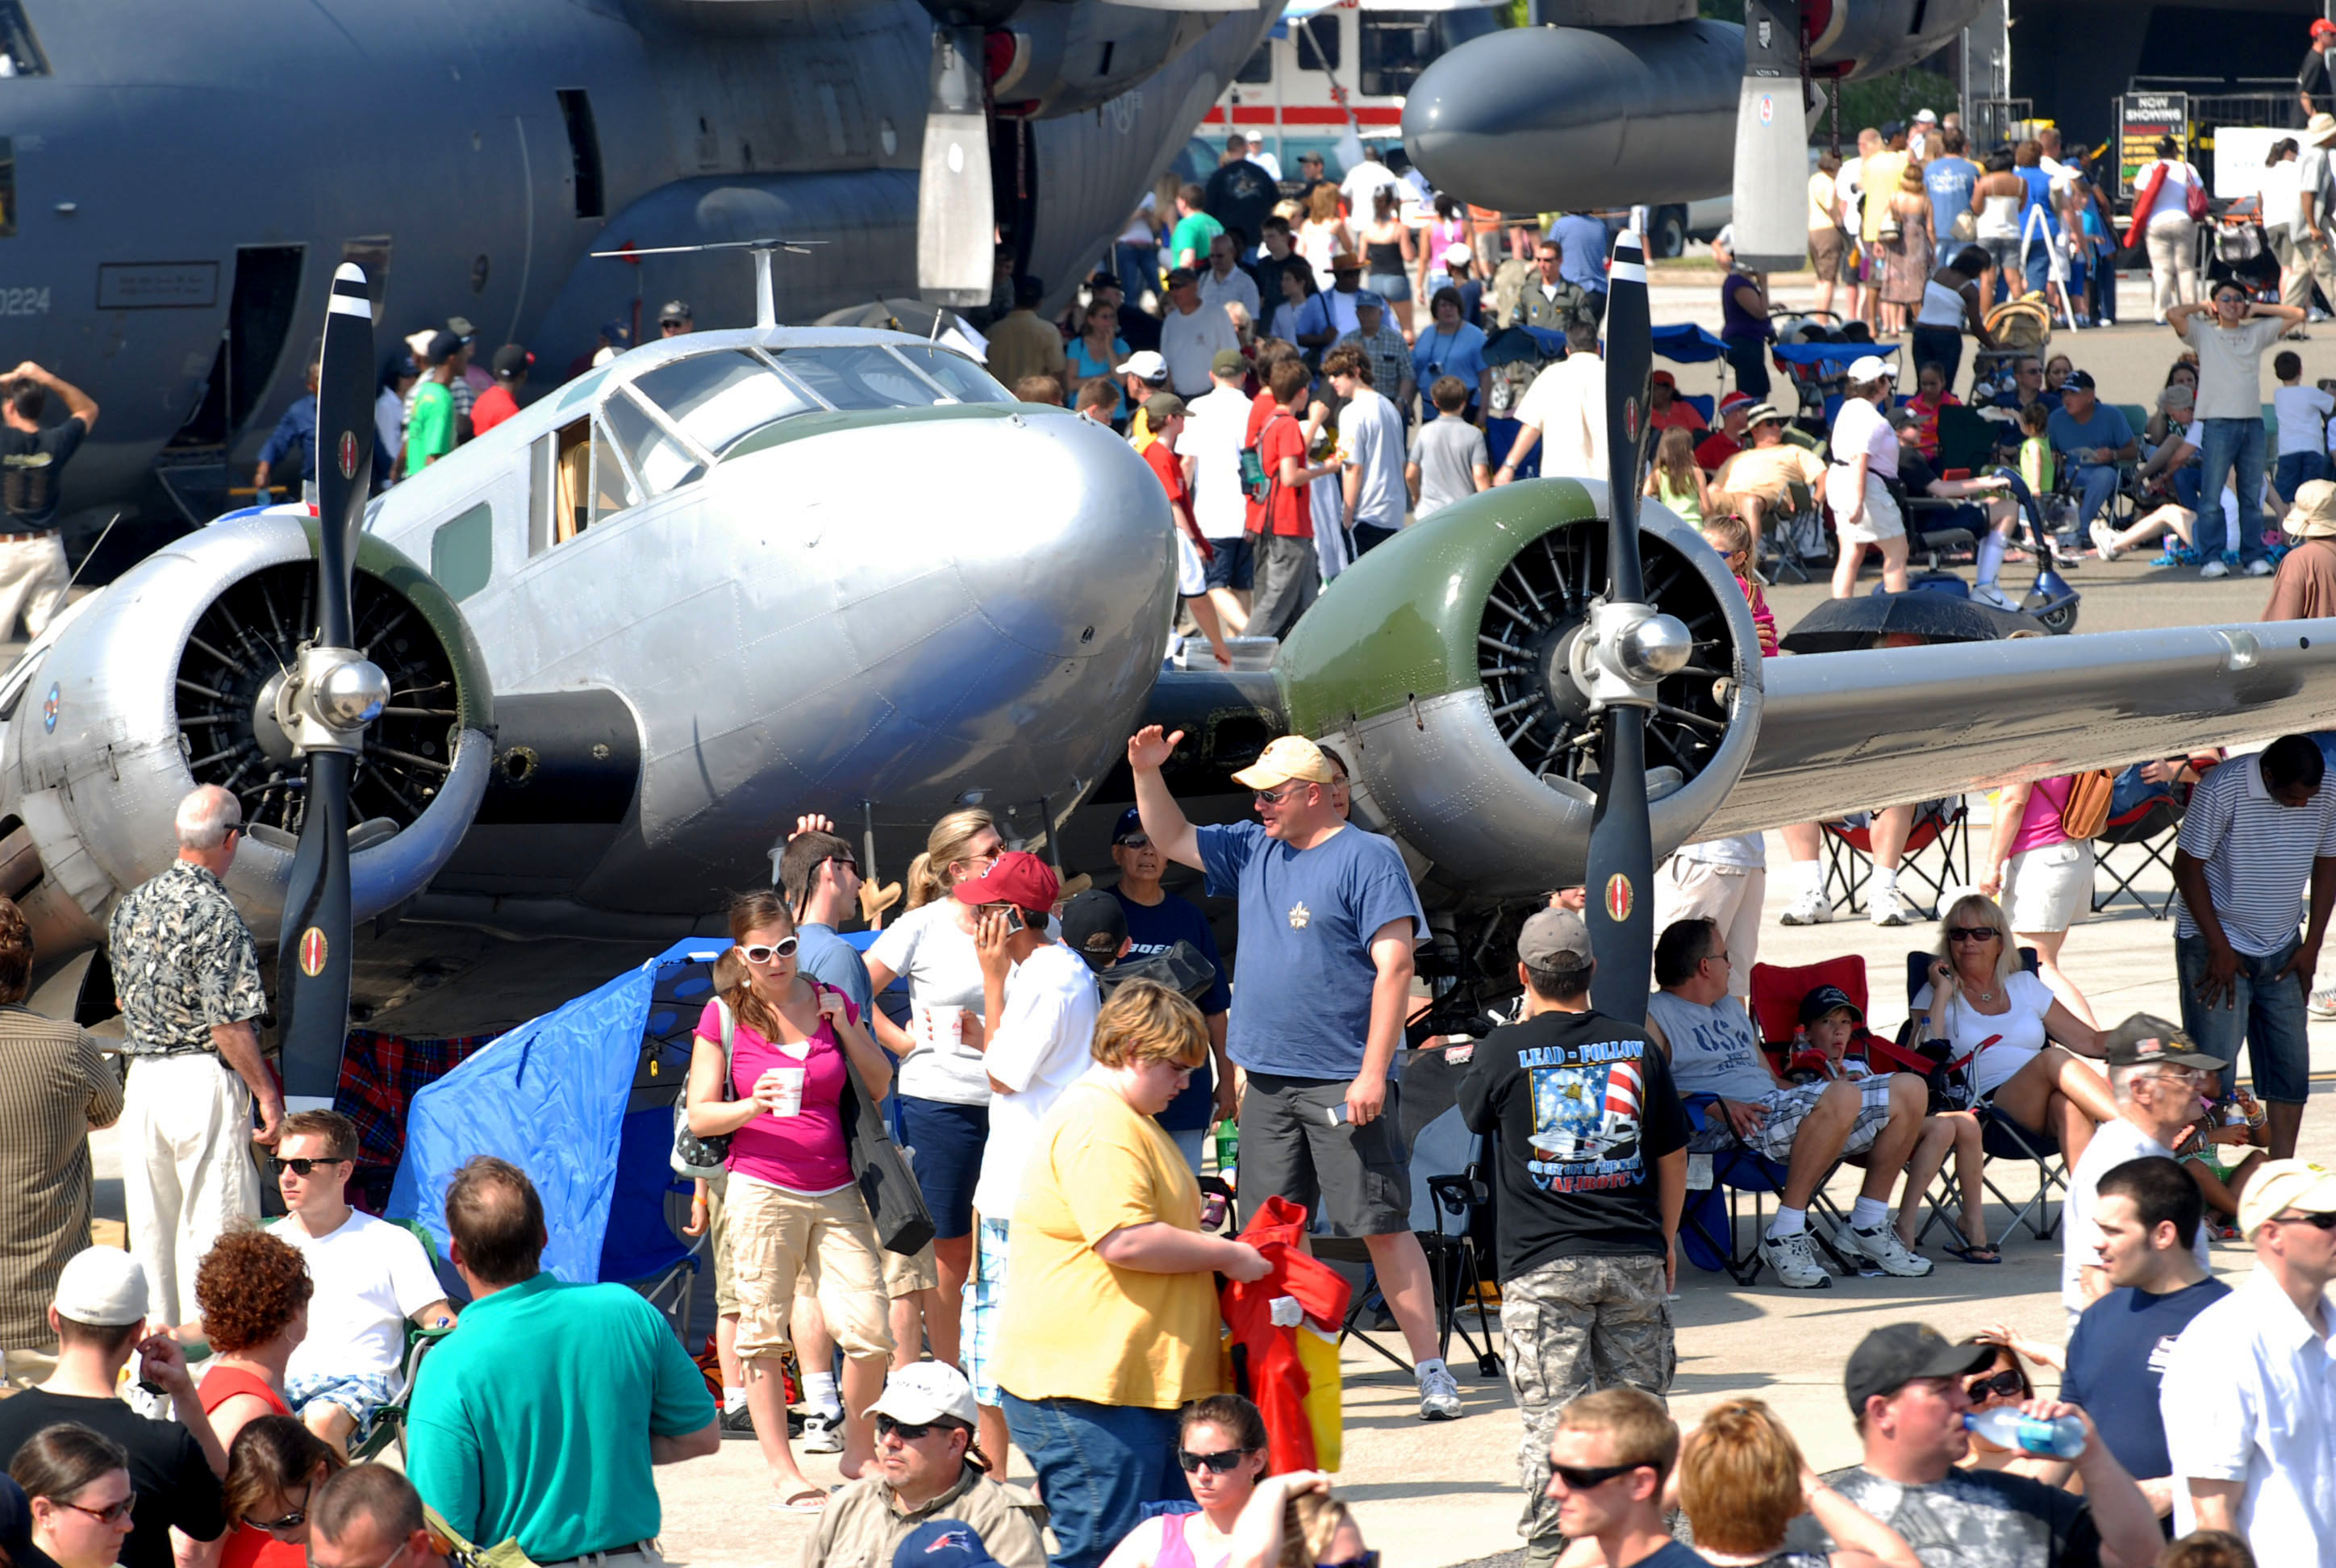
x,y
1827,247
717,1238
776,1238
2050,888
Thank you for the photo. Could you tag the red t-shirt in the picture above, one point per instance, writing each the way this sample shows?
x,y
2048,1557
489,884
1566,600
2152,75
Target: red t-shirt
x,y
1171,470
491,408
1261,409
1715,449
1293,511
1680,416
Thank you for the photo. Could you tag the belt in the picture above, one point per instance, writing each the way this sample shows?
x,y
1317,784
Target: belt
x,y
23,538
629,1548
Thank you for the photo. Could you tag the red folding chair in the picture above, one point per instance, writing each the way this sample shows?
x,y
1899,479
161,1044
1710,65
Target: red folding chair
x,y
1937,857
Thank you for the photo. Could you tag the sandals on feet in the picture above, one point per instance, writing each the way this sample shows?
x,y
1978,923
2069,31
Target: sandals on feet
x,y
1978,1251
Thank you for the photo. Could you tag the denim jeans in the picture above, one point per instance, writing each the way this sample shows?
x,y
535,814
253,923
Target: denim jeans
x,y
1748,357
1138,266
2226,445
2097,484
2269,1017
2293,468
1098,1465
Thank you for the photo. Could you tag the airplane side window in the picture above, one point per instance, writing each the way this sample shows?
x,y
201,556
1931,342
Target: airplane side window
x,y
612,488
853,378
571,482
964,380
462,552
662,463
718,397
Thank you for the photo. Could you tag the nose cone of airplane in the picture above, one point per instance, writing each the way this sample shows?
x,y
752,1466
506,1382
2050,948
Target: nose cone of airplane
x,y
1537,118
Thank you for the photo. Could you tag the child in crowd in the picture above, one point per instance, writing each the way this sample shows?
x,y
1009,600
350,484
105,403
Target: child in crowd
x,y
2038,469
1931,395
1830,1023
1731,536
2302,414
1675,480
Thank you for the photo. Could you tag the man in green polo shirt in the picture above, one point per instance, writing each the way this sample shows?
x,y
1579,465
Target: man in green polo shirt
x,y
543,1411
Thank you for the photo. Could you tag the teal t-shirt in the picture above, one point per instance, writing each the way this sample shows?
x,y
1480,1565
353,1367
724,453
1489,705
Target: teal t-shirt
x,y
533,1418
1193,232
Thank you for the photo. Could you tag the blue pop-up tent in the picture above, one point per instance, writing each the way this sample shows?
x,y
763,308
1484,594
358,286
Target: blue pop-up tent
x,y
581,1100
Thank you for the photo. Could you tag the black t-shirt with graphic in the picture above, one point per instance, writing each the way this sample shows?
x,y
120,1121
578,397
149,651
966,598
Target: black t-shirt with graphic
x,y
32,463
1584,1106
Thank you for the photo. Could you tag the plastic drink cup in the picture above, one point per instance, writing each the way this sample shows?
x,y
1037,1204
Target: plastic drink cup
x,y
944,1025
790,1084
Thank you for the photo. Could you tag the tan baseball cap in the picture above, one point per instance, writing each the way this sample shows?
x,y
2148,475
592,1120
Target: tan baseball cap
x,y
2279,1185
1293,757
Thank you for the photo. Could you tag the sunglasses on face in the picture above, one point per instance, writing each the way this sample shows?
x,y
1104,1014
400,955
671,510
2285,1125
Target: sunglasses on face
x,y
906,1432
300,1168
1583,1478
1970,933
762,953
1271,797
113,1514
1368,1560
846,861
2317,1221
1135,842
1221,1463
292,1521
2005,1385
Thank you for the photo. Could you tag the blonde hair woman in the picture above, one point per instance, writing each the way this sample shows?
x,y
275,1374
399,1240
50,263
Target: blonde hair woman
x,y
2024,1044
944,1088
1112,1324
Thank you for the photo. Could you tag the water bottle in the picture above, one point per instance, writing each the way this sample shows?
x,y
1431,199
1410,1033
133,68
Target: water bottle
x,y
1227,1149
2061,1438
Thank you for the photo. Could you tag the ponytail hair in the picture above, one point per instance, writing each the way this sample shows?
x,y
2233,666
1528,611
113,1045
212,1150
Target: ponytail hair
x,y
928,873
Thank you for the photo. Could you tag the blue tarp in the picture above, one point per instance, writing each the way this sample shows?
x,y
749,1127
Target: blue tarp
x,y
1685,342
553,1097
1834,356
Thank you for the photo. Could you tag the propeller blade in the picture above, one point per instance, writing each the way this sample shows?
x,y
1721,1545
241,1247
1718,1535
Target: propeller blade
x,y
313,966
1621,848
1772,167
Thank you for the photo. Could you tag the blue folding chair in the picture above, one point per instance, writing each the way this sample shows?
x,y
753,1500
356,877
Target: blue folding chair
x,y
1712,1223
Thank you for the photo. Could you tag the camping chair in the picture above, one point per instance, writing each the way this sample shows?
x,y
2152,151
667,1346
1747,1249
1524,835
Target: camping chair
x,y
1722,1173
1936,527
389,1419
1776,990
1451,1210
1937,855
2002,1138
2147,832
1798,537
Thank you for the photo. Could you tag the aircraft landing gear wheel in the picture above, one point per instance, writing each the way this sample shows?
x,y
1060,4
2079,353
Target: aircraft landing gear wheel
x,y
1667,233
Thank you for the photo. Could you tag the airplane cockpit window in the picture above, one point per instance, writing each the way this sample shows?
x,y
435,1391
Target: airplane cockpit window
x,y
858,377
660,461
718,397
966,381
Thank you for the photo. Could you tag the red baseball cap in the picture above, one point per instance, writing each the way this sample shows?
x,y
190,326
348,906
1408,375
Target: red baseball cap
x,y
2323,28
1735,400
1016,878
1664,377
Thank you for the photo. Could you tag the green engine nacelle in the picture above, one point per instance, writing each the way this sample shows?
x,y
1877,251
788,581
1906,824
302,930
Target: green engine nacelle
x,y
1439,665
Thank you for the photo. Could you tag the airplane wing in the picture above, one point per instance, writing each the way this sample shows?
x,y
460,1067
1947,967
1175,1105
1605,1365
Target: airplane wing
x,y
1843,732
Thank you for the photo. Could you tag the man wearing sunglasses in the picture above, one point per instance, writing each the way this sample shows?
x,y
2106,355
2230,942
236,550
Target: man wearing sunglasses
x,y
1609,1459
371,1279
2249,1402
2160,1080
1908,1394
928,1466
1321,985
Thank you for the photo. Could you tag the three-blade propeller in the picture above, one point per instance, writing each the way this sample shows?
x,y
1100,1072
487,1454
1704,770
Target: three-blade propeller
x,y
1629,646
332,693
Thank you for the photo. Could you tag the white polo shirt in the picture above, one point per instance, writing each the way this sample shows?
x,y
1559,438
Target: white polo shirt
x,y
2250,1395
1567,403
2257,853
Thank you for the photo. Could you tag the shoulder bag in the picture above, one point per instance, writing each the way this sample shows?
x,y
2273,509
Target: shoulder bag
x,y
694,1156
2085,812
880,1169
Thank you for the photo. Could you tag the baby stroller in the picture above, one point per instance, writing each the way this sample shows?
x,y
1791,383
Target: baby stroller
x,y
2020,326
2241,253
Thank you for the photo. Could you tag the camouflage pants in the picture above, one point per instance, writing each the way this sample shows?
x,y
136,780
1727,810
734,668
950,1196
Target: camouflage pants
x,y
1571,1326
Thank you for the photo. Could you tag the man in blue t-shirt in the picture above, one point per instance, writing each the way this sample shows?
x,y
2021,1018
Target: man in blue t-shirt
x,y
1157,921
2149,1211
1948,181
1321,985
2092,438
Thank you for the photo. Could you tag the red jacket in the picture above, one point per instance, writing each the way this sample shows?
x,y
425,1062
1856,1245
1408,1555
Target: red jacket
x,y
1276,1381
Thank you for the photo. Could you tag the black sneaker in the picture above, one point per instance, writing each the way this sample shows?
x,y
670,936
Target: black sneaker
x,y
742,1420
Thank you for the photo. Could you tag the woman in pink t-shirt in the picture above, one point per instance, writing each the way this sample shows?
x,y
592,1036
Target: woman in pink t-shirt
x,y
2045,876
792,1209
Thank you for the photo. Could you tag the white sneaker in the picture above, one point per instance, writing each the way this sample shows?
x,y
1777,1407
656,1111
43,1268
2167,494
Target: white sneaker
x,y
823,1433
1988,593
1439,1394
1881,1247
1794,1259
1811,909
2259,567
1886,909
2322,1004
2105,540
2214,569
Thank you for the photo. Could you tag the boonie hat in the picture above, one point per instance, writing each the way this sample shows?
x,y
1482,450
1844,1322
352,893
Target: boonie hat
x,y
2314,515
2321,130
943,1544
1827,999
1016,878
1228,362
1346,261
1554,940
1145,365
1925,117
2142,1039
1889,1358
1292,756
1094,926
927,1391
460,326
2279,1185
103,1287
1763,414
1871,367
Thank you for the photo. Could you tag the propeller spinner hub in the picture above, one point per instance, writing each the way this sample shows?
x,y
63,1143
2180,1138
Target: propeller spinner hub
x,y
1625,650
327,698
1653,648
353,695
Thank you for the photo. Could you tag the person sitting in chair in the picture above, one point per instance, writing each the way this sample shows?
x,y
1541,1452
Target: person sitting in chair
x,y
1714,1049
